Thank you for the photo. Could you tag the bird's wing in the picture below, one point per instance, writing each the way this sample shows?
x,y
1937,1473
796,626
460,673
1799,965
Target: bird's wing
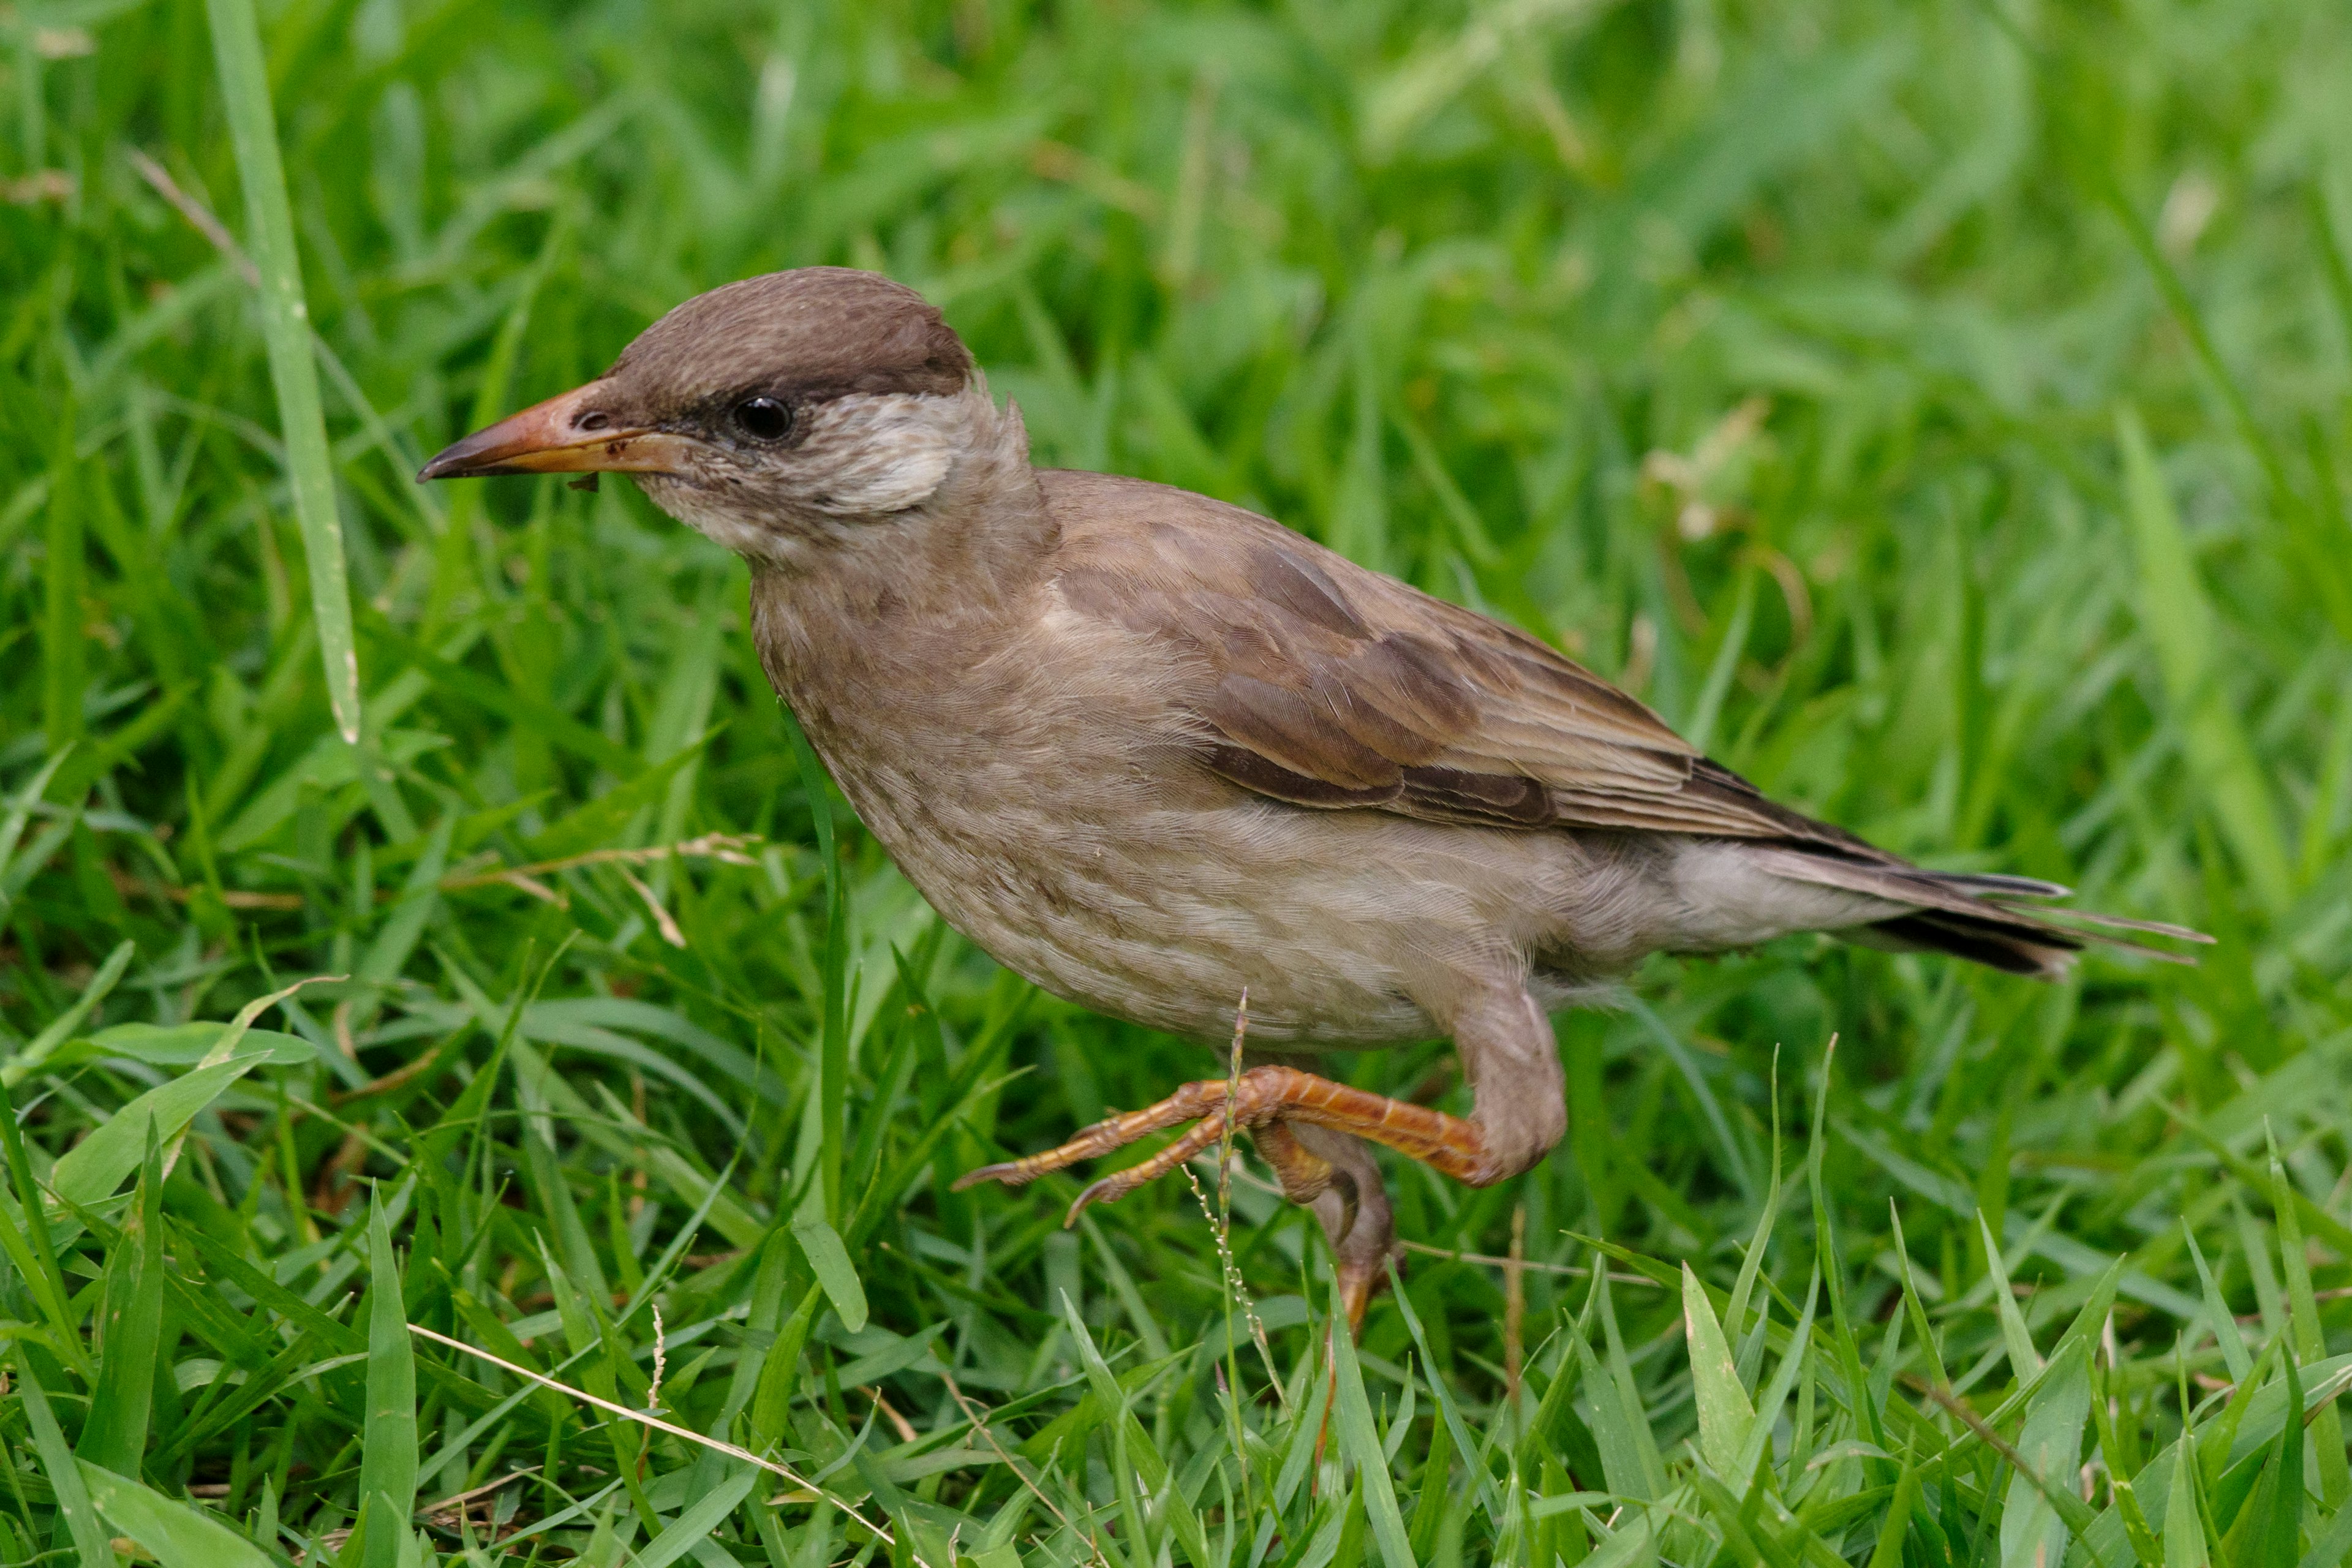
x,y
1315,681
1310,679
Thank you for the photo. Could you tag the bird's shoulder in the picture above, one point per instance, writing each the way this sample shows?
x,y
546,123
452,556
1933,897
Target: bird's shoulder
x,y
1320,682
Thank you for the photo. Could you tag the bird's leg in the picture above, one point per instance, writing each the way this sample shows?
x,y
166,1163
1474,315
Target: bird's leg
x,y
1502,1137
1517,1114
1271,1093
1519,1099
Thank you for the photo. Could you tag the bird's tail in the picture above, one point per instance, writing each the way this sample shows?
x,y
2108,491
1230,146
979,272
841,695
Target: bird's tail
x,y
2005,923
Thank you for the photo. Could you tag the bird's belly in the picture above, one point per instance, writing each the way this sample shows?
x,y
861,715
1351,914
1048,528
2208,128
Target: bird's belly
x,y
1168,915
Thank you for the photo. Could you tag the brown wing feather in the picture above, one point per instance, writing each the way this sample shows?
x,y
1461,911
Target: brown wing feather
x,y
1325,685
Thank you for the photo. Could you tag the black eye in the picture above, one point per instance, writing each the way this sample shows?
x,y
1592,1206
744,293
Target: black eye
x,y
764,418
594,421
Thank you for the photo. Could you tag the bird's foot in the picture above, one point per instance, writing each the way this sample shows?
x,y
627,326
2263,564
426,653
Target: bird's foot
x,y
1268,1096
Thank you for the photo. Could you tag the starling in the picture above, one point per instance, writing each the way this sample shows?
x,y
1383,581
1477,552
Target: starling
x,y
1154,751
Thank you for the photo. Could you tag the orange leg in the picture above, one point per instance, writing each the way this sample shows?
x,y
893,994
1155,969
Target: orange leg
x,y
1269,1097
1313,1132
1268,1094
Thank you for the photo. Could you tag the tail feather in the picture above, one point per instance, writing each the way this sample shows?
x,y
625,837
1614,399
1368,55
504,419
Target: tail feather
x,y
2123,922
1995,884
1969,915
2004,951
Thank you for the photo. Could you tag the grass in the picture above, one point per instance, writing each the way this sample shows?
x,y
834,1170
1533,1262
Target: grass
x,y
1943,410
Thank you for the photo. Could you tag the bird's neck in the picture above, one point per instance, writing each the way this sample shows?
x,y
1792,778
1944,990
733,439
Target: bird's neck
x,y
913,604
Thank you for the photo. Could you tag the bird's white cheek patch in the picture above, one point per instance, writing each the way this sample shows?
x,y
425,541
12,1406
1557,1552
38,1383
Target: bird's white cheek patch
x,y
908,475
880,453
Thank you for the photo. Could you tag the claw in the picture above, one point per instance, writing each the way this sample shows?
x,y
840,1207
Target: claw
x,y
1010,1172
1106,1190
1349,1198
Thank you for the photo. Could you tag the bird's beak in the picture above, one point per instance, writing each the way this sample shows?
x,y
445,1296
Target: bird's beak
x,y
560,436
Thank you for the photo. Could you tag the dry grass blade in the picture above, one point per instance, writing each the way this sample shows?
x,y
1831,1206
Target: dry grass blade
x,y
663,920
727,848
715,1444
1491,1261
200,217
456,1502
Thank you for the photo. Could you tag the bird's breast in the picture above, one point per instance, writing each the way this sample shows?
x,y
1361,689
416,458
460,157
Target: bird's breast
x,y
1105,866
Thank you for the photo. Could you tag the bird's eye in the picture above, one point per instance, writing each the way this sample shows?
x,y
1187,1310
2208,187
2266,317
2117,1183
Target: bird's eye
x,y
594,421
764,418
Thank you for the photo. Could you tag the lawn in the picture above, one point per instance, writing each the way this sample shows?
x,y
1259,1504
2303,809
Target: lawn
x,y
1942,412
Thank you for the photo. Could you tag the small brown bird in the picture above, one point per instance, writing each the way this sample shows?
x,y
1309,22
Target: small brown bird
x,y
1154,751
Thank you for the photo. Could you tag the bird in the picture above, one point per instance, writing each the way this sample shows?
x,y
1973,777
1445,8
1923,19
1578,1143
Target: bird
x,y
1156,752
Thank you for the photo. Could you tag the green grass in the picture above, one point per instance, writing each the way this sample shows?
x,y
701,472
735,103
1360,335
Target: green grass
x,y
1947,410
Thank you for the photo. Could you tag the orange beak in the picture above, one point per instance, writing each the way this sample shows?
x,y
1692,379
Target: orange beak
x,y
564,435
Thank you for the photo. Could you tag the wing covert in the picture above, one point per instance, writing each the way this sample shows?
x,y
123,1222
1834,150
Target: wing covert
x,y
1314,681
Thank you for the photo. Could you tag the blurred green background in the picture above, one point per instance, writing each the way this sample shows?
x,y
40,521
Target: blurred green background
x,y
1940,412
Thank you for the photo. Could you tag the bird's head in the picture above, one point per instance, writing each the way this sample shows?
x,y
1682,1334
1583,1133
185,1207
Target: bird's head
x,y
776,415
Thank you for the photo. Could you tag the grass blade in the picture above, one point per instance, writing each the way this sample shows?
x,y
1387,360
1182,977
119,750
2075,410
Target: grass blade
x,y
37,1049
1361,1440
178,1535
2310,1343
2281,1542
1725,1415
89,1173
20,813
764,1314
1888,1552
1150,1467
2218,1316
115,1436
821,1244
2024,1360
2327,1551
64,649
1776,1393
689,1530
1629,1449
2179,621
833,1040
1449,1409
286,326
388,1446
2033,1531
2184,1525
57,1462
